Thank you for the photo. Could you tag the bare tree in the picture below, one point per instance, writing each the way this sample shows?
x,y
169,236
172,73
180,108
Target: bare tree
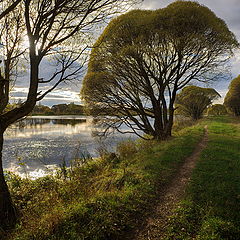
x,y
52,28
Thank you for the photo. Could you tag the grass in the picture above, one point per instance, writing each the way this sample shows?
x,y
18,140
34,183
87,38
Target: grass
x,y
212,204
102,198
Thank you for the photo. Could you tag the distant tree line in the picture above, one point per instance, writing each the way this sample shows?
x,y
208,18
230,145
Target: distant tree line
x,y
193,101
59,109
217,110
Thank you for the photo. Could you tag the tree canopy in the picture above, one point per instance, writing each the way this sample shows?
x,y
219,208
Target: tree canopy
x,y
232,99
192,101
143,58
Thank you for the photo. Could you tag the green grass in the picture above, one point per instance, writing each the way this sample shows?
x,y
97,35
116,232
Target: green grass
x,y
102,199
212,205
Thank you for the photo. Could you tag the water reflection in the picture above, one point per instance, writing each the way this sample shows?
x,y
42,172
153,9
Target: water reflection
x,y
35,122
36,145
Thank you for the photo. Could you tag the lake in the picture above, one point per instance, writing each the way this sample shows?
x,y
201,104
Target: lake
x,y
36,145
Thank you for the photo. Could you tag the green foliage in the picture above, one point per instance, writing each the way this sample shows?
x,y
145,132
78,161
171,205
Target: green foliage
x,y
41,110
232,99
193,100
102,198
127,149
217,110
181,123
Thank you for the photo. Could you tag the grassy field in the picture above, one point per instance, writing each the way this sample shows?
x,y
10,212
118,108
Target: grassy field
x,y
103,198
212,205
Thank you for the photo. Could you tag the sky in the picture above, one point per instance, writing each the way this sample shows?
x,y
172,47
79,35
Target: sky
x,y
228,10
66,93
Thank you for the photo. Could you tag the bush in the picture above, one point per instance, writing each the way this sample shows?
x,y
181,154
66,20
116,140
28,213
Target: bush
x,y
127,149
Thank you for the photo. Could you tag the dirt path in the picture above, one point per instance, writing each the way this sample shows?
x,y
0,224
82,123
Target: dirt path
x,y
171,195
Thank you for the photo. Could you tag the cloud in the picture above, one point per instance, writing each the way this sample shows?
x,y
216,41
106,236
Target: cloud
x,y
65,92
64,95
236,64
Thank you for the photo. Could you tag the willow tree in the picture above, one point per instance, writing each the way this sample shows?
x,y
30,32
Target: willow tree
x,y
143,58
192,101
55,30
232,99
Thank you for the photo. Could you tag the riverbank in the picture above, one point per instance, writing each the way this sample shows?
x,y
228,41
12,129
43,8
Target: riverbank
x,y
102,199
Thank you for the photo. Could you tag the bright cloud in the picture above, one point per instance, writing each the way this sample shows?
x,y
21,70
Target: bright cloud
x,y
55,97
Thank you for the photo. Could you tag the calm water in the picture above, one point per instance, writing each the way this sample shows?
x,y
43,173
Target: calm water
x,y
36,145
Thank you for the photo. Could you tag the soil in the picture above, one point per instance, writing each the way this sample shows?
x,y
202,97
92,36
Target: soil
x,y
170,196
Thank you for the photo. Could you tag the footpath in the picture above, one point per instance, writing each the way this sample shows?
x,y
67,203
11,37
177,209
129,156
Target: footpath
x,y
172,193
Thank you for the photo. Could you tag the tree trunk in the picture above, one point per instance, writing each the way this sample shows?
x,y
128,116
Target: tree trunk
x,y
168,128
8,215
169,125
158,126
160,133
